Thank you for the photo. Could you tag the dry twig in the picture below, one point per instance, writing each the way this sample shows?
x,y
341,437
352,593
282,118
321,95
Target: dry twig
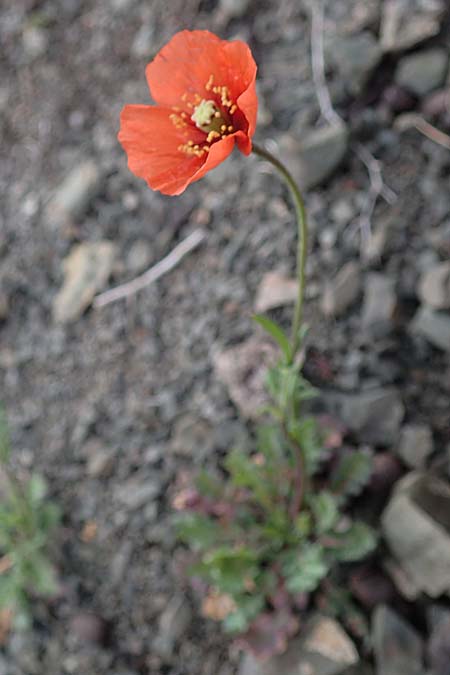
x,y
329,114
152,274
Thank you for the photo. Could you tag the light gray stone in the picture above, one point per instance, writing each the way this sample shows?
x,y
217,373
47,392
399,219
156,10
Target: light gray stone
x,y
405,23
134,493
432,325
86,271
35,41
434,286
342,292
73,196
173,623
379,304
234,9
316,158
275,290
423,71
324,649
398,647
415,445
139,256
416,524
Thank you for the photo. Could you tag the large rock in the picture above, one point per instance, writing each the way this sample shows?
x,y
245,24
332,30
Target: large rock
x,y
405,23
423,71
398,647
434,326
374,415
416,525
86,271
323,649
434,286
316,158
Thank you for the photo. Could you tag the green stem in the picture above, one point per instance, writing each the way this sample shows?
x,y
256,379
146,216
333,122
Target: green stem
x,y
302,246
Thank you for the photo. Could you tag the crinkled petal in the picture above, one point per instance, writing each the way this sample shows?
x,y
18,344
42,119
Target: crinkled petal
x,y
152,142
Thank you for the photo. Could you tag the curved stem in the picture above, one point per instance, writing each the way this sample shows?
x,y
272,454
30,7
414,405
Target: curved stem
x,y
302,246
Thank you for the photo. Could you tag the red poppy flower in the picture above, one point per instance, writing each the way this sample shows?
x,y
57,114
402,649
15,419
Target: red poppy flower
x,y
204,88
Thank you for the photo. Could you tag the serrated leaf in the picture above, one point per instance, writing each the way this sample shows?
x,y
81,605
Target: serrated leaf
x,y
197,530
231,570
42,576
306,434
304,568
275,331
246,474
352,474
36,489
325,511
248,607
356,543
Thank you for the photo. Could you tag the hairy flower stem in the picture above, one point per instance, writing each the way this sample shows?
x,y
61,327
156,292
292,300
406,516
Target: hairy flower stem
x,y
302,246
302,249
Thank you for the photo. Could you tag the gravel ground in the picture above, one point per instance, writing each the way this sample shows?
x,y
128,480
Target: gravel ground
x,y
113,406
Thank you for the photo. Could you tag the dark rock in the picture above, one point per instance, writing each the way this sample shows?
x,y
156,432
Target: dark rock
x,y
371,587
89,628
398,647
398,98
386,471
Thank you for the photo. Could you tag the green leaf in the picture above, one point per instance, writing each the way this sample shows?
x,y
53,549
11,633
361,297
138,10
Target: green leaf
x,y
325,511
231,569
277,333
356,543
304,568
246,474
208,485
306,434
36,489
351,474
42,576
302,524
197,530
248,608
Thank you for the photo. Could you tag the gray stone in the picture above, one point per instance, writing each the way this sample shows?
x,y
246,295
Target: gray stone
x,y
379,304
374,415
243,370
342,292
100,463
234,9
191,437
4,306
275,290
86,271
434,326
139,256
423,71
173,623
416,525
439,643
323,649
316,158
355,57
398,647
35,41
75,193
434,286
405,23
142,45
134,494
439,238
415,445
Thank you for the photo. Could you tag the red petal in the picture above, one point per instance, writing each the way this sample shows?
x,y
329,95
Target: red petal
x,y
184,66
151,142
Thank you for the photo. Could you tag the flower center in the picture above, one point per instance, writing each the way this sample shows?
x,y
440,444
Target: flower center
x,y
208,117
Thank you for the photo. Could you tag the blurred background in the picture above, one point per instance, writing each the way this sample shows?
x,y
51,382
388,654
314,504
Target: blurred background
x,y
114,405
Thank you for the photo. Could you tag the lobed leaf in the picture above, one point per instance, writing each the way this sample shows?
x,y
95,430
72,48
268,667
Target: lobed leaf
x,y
325,511
304,568
353,544
352,474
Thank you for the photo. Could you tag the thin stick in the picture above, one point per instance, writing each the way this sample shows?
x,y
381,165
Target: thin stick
x,y
432,132
152,274
329,114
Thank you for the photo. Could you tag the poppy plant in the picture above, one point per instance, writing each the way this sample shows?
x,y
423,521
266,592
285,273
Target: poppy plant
x,y
206,103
